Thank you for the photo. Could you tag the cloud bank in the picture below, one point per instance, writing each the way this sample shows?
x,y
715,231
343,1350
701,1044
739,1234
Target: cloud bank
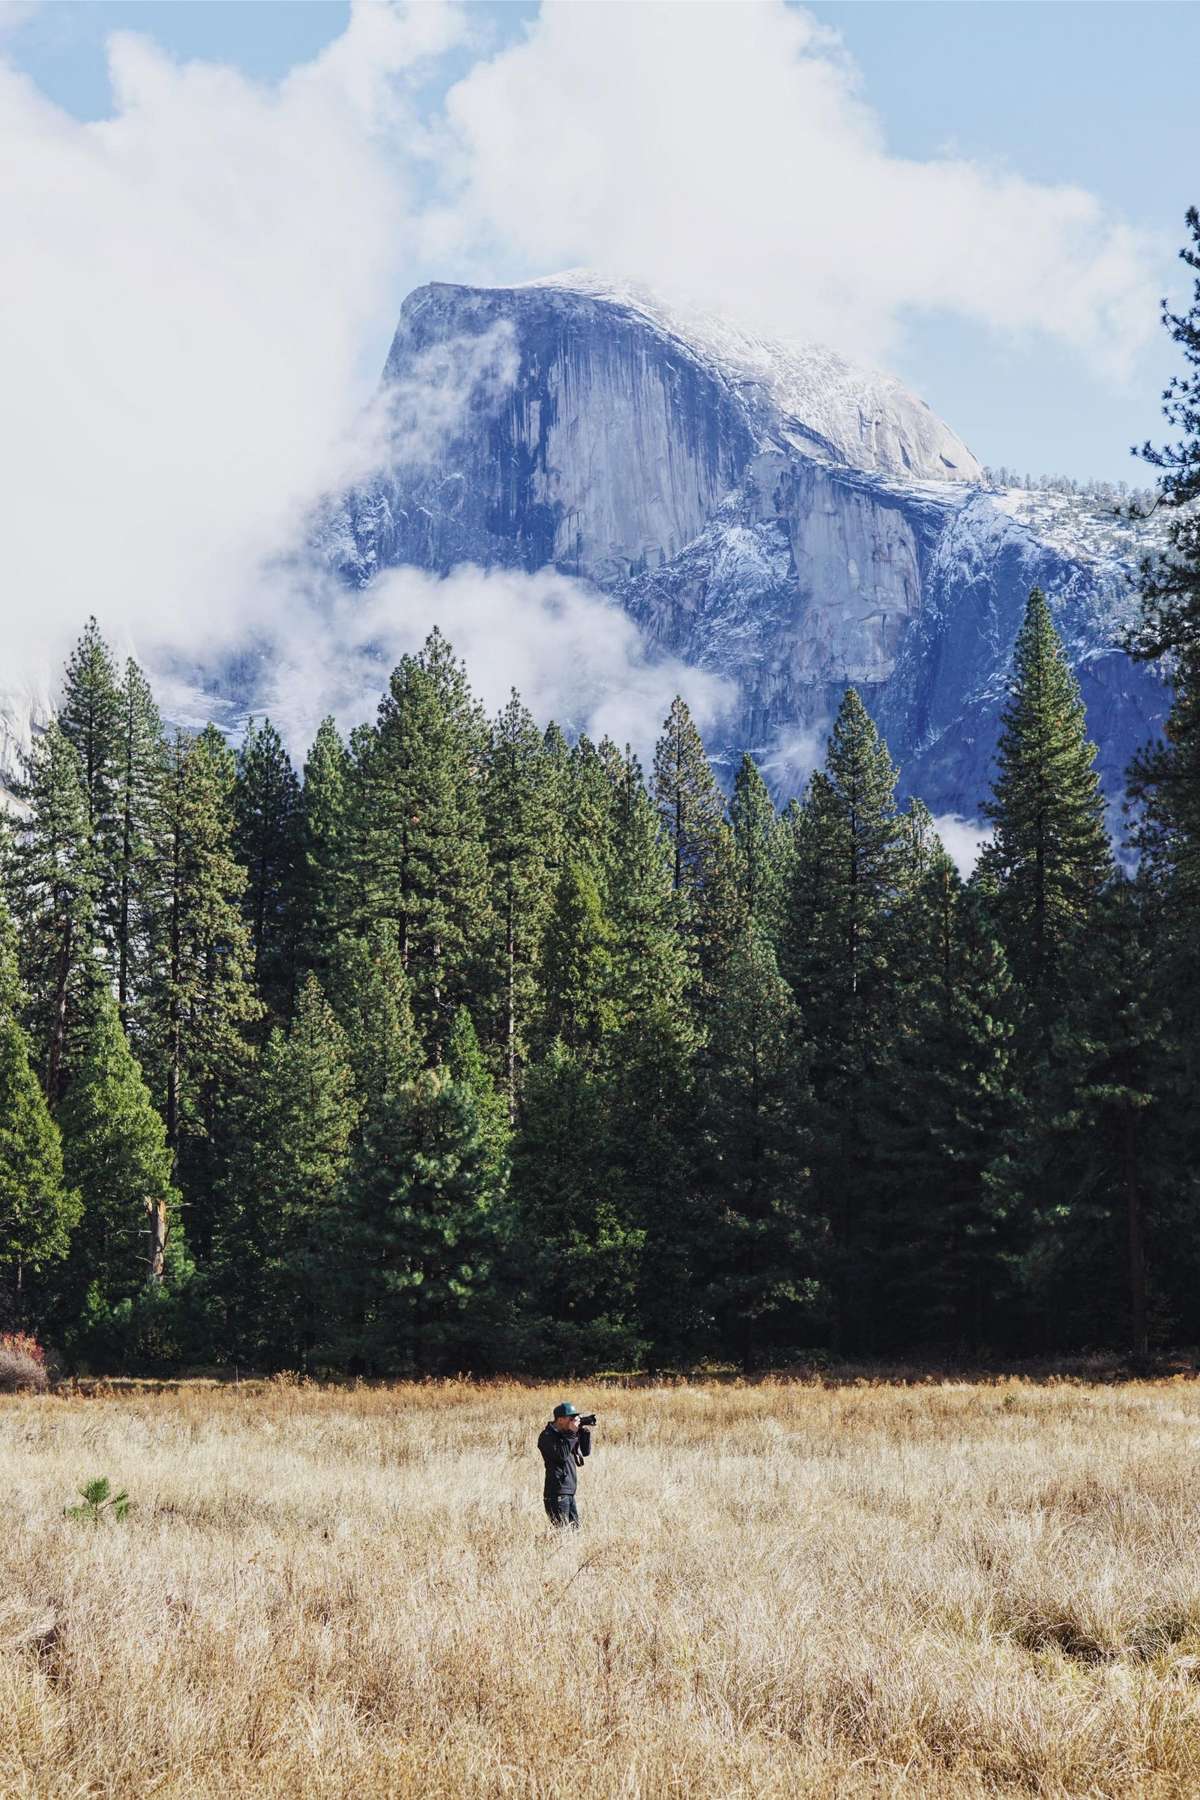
x,y
198,292
726,153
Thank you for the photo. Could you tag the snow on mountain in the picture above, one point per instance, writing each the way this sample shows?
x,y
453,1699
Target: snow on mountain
x,y
766,513
799,395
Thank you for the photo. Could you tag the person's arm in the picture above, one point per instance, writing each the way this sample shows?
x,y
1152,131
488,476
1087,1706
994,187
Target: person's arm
x,y
547,1451
583,1442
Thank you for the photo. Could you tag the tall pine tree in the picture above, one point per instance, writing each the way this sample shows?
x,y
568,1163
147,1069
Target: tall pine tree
x,y
267,843
1050,855
420,833
116,1156
55,877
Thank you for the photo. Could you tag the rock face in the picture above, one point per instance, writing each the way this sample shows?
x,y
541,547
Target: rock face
x,y
775,515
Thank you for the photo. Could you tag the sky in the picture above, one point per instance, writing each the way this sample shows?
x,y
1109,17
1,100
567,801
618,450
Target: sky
x,y
1097,94
212,212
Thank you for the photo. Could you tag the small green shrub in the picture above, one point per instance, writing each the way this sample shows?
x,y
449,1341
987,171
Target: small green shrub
x,y
98,1502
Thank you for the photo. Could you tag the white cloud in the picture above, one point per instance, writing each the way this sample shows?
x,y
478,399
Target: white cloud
x,y
793,754
571,654
963,839
198,292
723,152
195,298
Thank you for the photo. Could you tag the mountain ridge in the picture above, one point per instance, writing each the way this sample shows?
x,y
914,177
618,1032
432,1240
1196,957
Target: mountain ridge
x,y
791,557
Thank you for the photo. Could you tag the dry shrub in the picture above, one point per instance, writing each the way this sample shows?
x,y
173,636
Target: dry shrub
x,y
21,1373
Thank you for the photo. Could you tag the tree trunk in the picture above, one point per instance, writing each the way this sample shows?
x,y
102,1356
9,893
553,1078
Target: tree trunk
x,y
156,1213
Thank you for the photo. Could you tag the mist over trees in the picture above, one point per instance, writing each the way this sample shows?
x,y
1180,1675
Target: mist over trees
x,y
468,1047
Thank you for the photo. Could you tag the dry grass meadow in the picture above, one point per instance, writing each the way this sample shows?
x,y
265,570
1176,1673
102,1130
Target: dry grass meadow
x,y
779,1590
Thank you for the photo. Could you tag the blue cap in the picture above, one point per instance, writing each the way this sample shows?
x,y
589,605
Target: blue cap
x,y
564,1410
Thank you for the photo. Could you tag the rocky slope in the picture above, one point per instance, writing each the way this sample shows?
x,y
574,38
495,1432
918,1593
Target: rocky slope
x,y
774,514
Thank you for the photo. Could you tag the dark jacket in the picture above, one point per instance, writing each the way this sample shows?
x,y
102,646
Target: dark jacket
x,y
559,1450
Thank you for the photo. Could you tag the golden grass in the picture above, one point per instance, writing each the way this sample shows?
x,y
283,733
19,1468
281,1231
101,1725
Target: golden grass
x,y
779,1590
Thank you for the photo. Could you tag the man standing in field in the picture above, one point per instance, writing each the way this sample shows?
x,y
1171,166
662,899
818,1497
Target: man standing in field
x,y
564,1443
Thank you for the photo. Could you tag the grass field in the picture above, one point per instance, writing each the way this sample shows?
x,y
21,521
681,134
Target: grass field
x,y
779,1590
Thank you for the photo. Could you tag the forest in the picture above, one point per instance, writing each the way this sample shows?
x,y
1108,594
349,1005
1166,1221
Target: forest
x,y
469,1047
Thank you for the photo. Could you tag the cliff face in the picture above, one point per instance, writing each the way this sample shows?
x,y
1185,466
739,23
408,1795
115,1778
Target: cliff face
x,y
774,515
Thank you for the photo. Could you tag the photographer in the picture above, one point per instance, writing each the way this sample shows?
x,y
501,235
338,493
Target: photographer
x,y
564,1443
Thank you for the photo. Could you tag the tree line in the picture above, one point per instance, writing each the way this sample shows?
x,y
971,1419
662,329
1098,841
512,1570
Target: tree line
x,y
470,1047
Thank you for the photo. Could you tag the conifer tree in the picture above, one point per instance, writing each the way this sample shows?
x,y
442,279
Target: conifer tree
x,y
692,809
276,1239
326,903
90,719
421,836
368,990
1113,1144
689,800
840,952
588,796
55,884
576,1262
425,1193
468,1069
201,1001
137,785
577,973
38,1210
1050,855
760,844
1165,777
648,1059
941,1114
116,1157
524,850
267,832
761,1255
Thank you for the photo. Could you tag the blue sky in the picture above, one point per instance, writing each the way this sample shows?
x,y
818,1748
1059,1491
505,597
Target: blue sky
x,y
1101,95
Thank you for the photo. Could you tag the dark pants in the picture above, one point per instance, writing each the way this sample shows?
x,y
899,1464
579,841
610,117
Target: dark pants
x,y
561,1510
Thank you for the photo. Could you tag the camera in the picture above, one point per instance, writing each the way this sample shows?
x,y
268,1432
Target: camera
x,y
587,1418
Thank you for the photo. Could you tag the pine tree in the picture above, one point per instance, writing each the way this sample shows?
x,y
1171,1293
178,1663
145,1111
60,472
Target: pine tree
x,y
692,810
1050,855
576,1260
140,763
468,1070
1165,777
588,796
55,884
420,833
38,1210
941,1114
648,1059
326,904
115,1155
760,1246
760,845
90,719
576,974
267,843
425,1190
524,849
689,800
276,1240
841,949
368,991
1110,1144
200,998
